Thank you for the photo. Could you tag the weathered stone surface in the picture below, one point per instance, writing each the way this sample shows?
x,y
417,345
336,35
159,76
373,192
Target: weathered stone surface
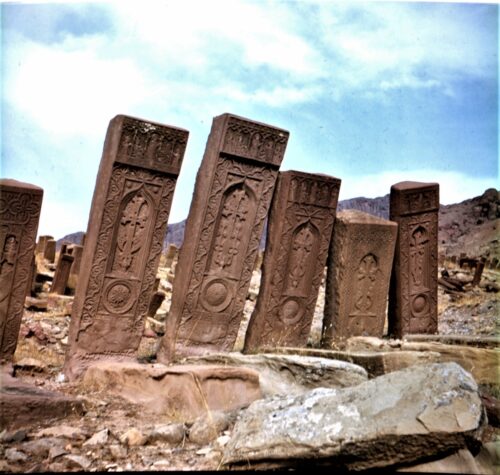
x,y
20,205
99,438
358,275
62,430
233,191
207,428
168,433
128,219
32,303
22,404
376,363
482,363
400,417
171,255
413,290
49,252
62,274
299,229
291,374
133,437
155,303
180,392
42,242
479,341
77,253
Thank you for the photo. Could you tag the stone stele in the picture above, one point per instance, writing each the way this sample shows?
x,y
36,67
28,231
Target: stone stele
x,y
298,236
20,205
358,275
232,195
413,289
128,219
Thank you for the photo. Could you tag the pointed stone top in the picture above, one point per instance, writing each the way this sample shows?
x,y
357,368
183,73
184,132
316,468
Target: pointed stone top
x,y
360,217
11,183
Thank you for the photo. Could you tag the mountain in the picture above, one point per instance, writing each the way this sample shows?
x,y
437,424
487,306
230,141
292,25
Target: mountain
x,y
471,226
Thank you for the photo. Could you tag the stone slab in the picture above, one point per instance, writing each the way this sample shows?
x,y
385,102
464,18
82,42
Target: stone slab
x,y
180,392
25,405
413,290
128,220
299,229
20,206
231,199
358,276
290,374
401,417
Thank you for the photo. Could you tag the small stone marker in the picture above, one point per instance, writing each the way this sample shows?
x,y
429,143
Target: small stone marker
x,y
358,276
478,272
76,252
20,205
233,191
42,242
170,255
49,252
128,219
298,236
413,291
62,274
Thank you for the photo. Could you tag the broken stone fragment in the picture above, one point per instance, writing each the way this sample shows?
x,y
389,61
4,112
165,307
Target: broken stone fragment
x,y
400,417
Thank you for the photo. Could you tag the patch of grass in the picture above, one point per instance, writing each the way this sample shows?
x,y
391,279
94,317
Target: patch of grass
x,y
29,348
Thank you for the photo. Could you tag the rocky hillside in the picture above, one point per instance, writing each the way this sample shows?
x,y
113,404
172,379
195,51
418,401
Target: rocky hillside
x,y
471,226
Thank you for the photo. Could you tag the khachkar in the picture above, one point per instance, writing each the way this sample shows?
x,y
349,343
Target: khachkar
x,y
298,236
358,276
232,195
413,291
20,205
128,219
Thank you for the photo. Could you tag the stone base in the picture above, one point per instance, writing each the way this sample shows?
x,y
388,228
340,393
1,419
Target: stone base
x,y
180,392
22,404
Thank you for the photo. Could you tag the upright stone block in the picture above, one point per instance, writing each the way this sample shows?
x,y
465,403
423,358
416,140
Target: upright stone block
x,y
413,291
42,242
128,219
76,252
62,274
358,276
171,255
49,252
233,192
20,205
298,236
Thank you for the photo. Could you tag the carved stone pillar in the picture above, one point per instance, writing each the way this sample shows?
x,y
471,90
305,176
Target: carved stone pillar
x,y
128,219
233,191
298,236
413,291
20,205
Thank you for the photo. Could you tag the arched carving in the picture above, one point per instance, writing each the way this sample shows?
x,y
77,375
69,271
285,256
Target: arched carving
x,y
366,278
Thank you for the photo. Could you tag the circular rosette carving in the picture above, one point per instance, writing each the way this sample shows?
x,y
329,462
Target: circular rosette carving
x,y
291,311
420,305
119,296
216,295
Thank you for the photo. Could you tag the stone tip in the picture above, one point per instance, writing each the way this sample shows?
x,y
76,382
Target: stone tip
x,y
12,183
410,185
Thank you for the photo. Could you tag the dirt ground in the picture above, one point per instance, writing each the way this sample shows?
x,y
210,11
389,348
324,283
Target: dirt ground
x,y
40,355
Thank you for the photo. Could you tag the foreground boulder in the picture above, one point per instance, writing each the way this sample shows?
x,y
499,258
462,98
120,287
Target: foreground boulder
x,y
180,392
423,411
291,374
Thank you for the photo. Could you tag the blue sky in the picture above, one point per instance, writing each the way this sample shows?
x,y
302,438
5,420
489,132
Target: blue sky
x,y
371,92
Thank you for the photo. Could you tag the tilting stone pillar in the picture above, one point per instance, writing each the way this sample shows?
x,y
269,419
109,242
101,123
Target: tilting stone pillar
x,y
413,291
76,252
128,219
61,276
298,236
49,252
358,276
233,192
20,205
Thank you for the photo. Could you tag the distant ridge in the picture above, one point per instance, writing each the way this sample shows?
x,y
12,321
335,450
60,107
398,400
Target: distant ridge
x,y
475,217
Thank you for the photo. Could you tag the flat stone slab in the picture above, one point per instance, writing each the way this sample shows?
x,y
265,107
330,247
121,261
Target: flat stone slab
x,y
466,340
180,392
22,404
375,363
291,374
401,417
482,363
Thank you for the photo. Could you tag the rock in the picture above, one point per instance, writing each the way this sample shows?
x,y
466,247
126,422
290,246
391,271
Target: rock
x,y
161,465
57,451
77,461
182,393
291,374
461,461
68,432
13,455
422,411
207,428
31,303
118,452
168,433
492,406
22,404
157,326
133,437
42,447
13,436
99,438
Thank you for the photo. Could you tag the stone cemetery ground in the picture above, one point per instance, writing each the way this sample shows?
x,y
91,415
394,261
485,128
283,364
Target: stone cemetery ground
x,y
357,406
